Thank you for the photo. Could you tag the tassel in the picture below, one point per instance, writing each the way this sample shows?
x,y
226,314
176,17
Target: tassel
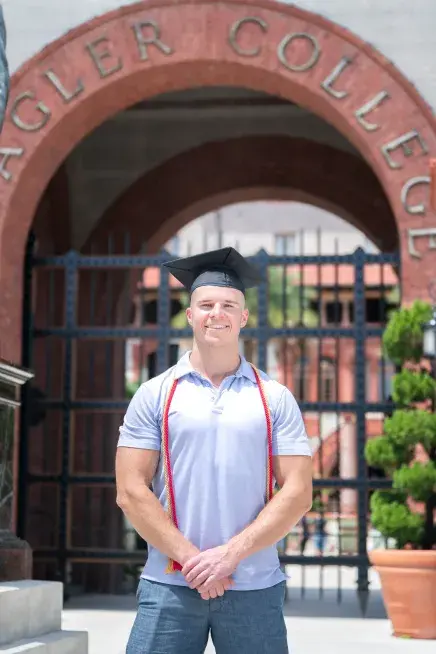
x,y
172,567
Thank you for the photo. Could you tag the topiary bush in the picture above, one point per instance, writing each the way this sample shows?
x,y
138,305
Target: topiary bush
x,y
407,449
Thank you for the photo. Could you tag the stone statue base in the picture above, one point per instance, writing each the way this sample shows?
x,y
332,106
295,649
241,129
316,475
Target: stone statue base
x,y
15,557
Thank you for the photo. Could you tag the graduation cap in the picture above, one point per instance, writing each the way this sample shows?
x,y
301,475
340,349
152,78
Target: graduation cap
x,y
224,267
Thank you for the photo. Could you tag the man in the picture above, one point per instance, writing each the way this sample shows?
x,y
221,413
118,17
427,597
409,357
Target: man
x,y
4,72
210,434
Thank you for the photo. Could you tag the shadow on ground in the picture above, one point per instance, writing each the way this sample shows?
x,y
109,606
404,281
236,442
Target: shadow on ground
x,y
101,603
330,604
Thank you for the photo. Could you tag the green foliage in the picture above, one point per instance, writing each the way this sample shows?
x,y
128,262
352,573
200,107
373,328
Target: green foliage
x,y
317,503
408,431
408,428
288,304
410,387
393,518
418,480
381,453
179,321
131,388
402,339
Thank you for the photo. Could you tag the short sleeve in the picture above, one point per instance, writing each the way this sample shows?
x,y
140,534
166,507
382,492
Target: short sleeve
x,y
140,427
289,432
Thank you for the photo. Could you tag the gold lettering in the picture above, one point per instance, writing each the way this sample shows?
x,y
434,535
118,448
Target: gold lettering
x,y
283,47
6,154
367,108
415,209
401,142
98,57
60,88
154,39
332,78
234,32
40,106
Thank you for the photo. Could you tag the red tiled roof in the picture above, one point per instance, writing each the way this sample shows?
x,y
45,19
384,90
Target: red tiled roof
x,y
326,275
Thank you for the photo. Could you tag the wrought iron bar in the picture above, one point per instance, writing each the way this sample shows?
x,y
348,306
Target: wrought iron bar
x,y
107,479
163,333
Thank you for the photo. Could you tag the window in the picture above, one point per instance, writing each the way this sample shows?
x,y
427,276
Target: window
x,y
334,312
327,381
300,379
284,244
375,310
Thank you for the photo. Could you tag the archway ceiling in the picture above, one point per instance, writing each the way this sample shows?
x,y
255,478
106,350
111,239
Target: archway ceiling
x,y
135,142
165,199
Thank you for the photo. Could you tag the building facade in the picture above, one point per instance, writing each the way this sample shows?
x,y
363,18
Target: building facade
x,y
128,121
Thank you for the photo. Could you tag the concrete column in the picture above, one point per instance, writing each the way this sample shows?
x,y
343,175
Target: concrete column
x,y
348,462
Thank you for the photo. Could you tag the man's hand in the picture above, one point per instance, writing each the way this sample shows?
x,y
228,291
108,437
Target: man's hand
x,y
217,590
207,568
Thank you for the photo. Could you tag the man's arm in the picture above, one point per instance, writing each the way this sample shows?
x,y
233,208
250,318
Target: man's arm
x,y
274,522
4,72
135,469
136,462
292,463
283,512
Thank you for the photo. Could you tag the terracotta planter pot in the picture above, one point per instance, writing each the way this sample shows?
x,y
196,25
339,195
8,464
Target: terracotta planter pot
x,y
408,580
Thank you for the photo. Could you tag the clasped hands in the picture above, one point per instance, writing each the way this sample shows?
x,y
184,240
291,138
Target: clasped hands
x,y
209,572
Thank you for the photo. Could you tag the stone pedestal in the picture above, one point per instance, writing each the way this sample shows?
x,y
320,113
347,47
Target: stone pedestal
x,y
15,554
15,558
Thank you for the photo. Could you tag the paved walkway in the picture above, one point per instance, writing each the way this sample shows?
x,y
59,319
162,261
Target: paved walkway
x,y
314,623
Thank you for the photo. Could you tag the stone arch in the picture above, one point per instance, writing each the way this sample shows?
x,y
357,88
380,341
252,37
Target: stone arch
x,y
156,46
259,167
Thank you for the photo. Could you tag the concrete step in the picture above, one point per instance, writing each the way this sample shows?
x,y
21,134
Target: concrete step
x,y
59,642
29,609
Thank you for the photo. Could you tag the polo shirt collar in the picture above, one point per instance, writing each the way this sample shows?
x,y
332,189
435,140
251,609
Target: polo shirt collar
x,y
184,367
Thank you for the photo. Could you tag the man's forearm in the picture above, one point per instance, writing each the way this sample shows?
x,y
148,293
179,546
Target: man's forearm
x,y
273,523
153,524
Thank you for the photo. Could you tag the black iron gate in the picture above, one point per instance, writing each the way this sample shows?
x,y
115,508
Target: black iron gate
x,y
96,326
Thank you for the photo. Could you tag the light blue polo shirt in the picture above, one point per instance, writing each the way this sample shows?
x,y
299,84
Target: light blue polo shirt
x,y
218,455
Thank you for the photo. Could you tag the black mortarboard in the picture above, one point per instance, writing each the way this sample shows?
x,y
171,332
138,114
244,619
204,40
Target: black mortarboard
x,y
224,267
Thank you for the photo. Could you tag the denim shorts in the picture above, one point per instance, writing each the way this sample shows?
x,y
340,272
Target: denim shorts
x,y
175,620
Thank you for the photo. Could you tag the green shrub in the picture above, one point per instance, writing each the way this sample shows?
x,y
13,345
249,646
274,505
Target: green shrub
x,y
402,339
409,387
407,431
391,516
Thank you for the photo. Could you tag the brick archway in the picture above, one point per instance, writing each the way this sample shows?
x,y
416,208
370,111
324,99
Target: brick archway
x,y
152,47
259,167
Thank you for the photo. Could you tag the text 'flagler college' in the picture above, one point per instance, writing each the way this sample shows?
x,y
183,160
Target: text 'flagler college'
x,y
296,52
